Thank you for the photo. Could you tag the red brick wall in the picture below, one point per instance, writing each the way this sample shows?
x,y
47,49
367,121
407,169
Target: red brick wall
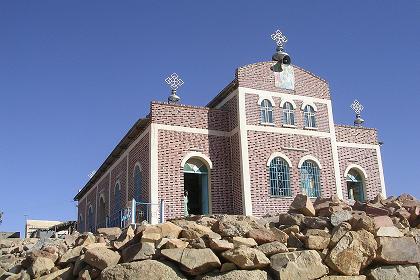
x,y
91,200
236,175
253,115
366,158
260,76
119,173
190,116
140,153
352,134
173,146
261,145
232,107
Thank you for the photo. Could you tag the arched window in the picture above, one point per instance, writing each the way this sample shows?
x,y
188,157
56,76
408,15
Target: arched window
x,y
101,223
81,227
309,116
91,226
288,114
266,111
137,183
279,178
309,173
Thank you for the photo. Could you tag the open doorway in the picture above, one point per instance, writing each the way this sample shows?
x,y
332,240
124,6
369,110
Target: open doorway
x,y
196,188
355,186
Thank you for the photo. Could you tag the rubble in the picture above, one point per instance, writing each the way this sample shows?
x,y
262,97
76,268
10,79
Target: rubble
x,y
327,239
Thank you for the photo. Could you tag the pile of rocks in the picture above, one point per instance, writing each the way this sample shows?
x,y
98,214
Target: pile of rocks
x,y
327,239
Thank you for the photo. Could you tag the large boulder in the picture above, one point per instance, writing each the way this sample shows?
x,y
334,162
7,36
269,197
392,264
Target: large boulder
x,y
290,219
247,258
317,239
111,233
148,269
241,241
229,226
273,248
138,252
391,231
239,275
71,255
124,238
354,251
402,250
302,204
335,277
193,261
101,257
338,232
406,272
63,274
220,245
169,230
340,216
302,265
262,236
40,267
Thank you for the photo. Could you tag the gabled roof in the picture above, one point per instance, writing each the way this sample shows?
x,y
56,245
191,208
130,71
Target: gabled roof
x,y
122,146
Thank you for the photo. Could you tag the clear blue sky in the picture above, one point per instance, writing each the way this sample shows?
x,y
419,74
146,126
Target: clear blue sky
x,y
75,75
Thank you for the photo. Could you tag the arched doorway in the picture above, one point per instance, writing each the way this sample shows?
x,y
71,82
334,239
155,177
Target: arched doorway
x,y
196,187
355,185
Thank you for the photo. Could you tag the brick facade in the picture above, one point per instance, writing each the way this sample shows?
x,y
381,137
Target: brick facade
x,y
229,135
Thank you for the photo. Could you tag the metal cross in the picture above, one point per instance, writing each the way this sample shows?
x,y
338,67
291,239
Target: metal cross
x,y
174,81
357,107
91,174
279,38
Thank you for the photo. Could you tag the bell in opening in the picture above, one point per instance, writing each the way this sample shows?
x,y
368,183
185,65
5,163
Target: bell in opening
x,y
196,188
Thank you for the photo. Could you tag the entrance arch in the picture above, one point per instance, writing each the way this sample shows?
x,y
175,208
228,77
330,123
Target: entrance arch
x,y
101,212
356,183
196,186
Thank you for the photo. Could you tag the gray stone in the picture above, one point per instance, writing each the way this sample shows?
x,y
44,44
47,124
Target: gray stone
x,y
391,231
302,265
341,216
406,272
338,232
71,255
110,233
148,269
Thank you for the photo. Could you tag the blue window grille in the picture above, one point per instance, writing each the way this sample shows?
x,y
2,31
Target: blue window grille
x,y
309,116
266,111
288,114
137,184
310,179
279,178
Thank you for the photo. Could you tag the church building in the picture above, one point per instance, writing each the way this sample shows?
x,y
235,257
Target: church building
x,y
267,136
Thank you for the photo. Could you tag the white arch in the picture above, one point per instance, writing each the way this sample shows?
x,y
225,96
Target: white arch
x,y
281,155
134,169
309,157
358,168
269,98
199,156
310,103
284,100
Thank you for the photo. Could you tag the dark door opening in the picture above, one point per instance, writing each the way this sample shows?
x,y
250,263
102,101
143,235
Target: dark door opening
x,y
192,185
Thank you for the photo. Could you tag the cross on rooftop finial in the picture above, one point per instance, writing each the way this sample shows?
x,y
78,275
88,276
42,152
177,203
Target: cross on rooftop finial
x,y
279,38
357,108
174,83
